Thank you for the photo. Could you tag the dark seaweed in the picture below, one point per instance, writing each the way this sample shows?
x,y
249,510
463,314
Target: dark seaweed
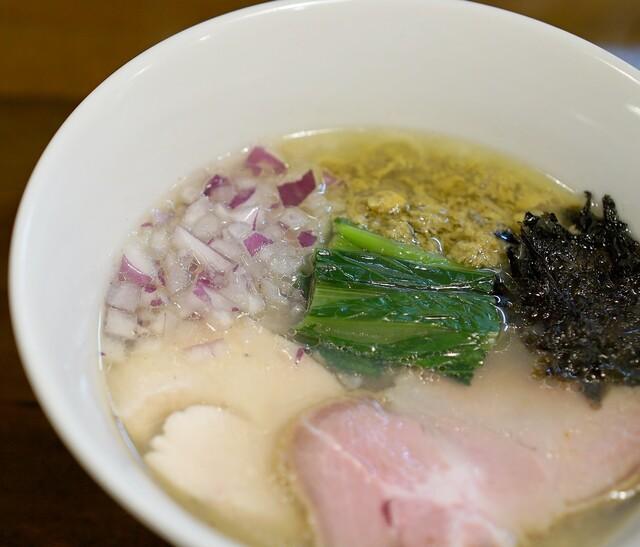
x,y
576,291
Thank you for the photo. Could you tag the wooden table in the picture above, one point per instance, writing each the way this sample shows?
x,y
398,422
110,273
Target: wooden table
x,y
51,54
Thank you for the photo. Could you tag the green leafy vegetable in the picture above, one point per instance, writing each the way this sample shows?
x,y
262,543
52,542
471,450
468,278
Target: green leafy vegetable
x,y
376,303
347,361
348,237
351,268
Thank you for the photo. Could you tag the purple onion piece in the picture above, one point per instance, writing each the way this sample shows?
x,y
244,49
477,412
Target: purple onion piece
x,y
200,288
255,242
259,159
306,238
217,181
205,280
299,355
241,197
199,291
128,272
294,193
157,302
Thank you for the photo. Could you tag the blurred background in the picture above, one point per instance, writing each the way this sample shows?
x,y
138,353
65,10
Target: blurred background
x,y
52,54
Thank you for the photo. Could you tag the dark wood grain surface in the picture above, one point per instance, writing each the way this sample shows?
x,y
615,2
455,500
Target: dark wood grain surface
x,y
51,54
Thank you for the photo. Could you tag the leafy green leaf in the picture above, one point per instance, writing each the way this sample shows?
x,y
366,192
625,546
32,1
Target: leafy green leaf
x,y
351,268
377,303
368,241
347,361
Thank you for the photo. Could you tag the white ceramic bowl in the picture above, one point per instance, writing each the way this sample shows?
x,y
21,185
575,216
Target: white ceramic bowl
x,y
530,90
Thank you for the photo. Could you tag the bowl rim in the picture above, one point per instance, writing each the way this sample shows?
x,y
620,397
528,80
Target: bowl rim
x,y
33,359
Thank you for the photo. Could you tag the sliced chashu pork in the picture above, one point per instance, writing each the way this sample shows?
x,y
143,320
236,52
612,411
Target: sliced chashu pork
x,y
444,464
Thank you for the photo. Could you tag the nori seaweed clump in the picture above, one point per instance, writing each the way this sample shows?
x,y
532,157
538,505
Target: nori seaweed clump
x,y
577,292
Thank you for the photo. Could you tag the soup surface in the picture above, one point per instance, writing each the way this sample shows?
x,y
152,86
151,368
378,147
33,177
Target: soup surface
x,y
299,380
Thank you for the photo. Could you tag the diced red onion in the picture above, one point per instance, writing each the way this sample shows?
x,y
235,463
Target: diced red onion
x,y
218,280
256,266
242,292
306,238
241,197
215,182
261,219
203,285
271,292
128,272
318,205
176,277
222,194
205,280
299,355
185,240
239,230
138,256
195,212
159,240
261,262
146,225
124,296
158,323
255,303
147,297
190,305
274,231
244,214
294,218
120,323
294,193
199,289
249,261
207,227
220,319
219,302
227,248
255,242
245,183
285,265
259,159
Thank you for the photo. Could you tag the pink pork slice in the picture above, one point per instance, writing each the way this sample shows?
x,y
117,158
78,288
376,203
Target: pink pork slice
x,y
443,464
